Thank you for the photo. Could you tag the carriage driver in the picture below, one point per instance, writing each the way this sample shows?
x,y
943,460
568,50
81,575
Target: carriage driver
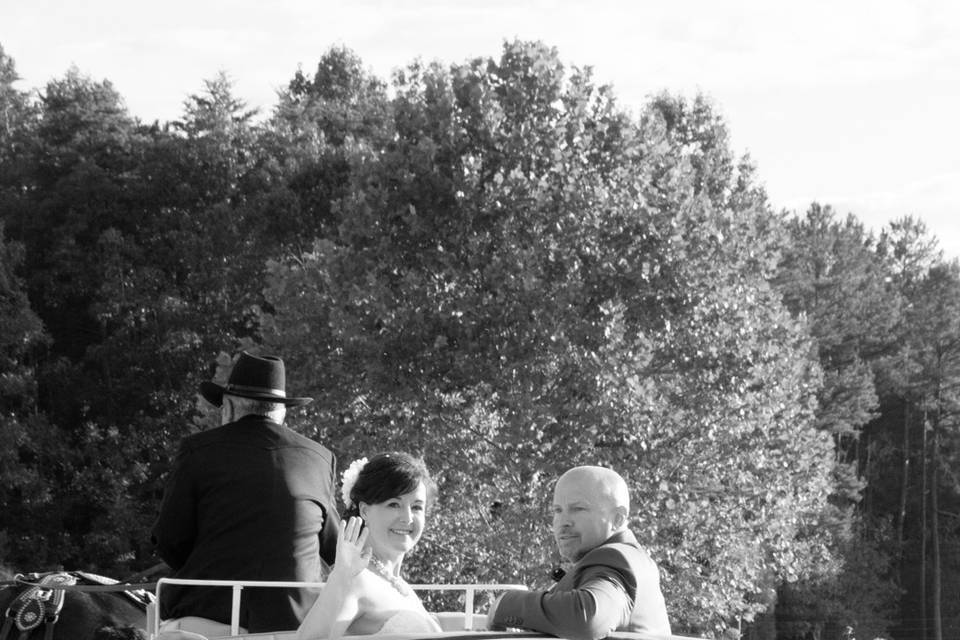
x,y
248,500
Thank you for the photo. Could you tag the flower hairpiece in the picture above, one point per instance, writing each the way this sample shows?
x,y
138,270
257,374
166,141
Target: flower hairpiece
x,y
349,478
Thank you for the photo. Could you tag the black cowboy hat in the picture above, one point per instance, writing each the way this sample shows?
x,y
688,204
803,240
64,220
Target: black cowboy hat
x,y
257,377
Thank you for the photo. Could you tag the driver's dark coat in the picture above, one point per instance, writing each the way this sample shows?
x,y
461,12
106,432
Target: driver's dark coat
x,y
250,500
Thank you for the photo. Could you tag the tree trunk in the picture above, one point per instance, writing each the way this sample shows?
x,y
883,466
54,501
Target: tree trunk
x,y
935,540
923,531
935,506
905,481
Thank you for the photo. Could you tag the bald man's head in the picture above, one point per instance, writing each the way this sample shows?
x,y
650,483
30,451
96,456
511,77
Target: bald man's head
x,y
590,504
605,484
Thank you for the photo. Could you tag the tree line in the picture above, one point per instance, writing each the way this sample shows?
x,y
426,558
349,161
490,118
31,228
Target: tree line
x,y
496,266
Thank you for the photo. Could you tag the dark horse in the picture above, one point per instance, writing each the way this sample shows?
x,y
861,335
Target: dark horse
x,y
28,610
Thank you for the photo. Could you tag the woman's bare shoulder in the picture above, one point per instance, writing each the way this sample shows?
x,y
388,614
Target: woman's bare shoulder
x,y
372,590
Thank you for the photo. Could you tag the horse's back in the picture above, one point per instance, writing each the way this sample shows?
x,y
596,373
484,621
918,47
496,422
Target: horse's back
x,y
82,615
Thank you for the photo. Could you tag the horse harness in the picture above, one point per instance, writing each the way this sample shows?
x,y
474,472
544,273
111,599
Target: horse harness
x,y
42,600
39,604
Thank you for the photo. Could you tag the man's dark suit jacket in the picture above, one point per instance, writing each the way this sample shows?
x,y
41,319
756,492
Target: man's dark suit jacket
x,y
614,587
250,500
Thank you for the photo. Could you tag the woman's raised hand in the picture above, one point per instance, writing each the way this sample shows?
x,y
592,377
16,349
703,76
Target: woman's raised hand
x,y
338,604
351,556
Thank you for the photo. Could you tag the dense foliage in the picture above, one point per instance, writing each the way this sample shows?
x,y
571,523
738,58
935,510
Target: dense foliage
x,y
490,264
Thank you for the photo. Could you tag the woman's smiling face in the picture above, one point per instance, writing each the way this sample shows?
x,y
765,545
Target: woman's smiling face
x,y
396,524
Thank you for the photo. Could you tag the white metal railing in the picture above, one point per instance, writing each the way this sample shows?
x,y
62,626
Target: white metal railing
x,y
470,590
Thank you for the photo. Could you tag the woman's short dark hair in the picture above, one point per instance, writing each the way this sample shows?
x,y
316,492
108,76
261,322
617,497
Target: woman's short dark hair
x,y
386,476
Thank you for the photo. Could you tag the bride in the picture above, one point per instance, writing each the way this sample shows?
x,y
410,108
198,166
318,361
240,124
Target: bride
x,y
386,499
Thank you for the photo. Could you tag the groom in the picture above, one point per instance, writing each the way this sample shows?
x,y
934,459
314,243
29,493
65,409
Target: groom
x,y
612,586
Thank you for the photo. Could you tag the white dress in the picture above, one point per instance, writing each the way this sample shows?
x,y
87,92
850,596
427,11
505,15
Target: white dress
x,y
409,621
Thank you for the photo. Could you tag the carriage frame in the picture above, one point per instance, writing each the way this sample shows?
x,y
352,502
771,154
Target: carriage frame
x,y
449,620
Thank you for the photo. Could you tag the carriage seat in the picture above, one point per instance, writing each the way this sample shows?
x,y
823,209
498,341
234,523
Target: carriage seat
x,y
190,635
179,635
202,627
457,621
449,621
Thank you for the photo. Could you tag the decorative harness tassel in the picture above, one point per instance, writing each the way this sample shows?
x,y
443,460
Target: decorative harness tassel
x,y
37,604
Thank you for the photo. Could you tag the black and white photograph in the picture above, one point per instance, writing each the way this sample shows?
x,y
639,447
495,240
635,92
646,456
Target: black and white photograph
x,y
448,320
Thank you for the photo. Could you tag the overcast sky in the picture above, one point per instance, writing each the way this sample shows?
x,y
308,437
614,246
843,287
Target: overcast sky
x,y
852,103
